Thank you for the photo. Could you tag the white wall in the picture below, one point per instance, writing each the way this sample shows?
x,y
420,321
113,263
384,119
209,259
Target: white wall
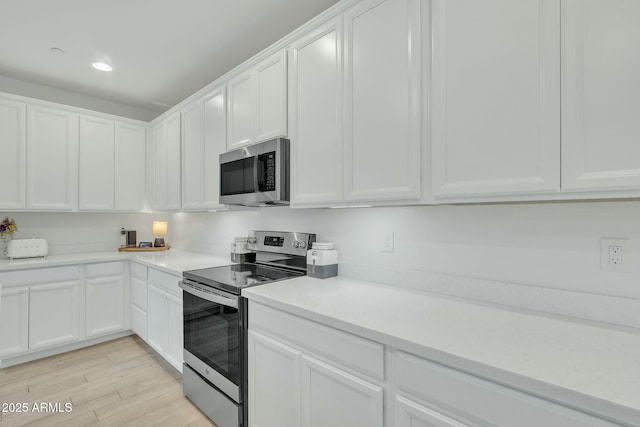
x,y
75,99
69,233
553,245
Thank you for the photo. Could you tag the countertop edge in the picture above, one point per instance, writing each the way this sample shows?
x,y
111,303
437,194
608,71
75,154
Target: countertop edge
x,y
595,406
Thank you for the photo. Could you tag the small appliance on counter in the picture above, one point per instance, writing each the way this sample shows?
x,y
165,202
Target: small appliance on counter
x,y
322,261
216,321
27,248
239,251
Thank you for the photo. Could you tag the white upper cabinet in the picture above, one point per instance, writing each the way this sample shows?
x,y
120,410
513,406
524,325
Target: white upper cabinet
x,y
174,154
495,99
315,116
214,144
240,123
12,147
271,97
159,138
96,164
382,100
600,92
203,139
257,103
167,163
52,156
130,155
192,162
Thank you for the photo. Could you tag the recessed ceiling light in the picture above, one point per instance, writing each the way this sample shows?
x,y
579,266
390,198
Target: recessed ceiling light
x,y
102,66
57,50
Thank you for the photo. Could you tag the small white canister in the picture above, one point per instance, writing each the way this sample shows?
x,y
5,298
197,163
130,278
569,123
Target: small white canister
x,y
239,251
322,260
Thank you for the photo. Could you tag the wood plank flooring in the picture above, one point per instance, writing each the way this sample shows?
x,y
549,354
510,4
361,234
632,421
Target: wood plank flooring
x,y
117,383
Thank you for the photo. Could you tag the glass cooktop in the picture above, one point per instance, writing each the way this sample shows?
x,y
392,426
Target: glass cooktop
x,y
233,278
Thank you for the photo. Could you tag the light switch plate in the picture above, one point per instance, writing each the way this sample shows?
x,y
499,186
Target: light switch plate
x,y
614,255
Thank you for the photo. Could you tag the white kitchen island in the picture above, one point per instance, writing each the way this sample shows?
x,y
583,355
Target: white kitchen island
x,y
446,362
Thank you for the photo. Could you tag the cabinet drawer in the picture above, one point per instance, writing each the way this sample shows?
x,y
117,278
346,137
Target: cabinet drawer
x,y
167,282
105,269
352,351
478,399
138,271
39,275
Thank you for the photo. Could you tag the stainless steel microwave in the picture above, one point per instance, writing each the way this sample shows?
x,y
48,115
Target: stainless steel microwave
x,y
257,175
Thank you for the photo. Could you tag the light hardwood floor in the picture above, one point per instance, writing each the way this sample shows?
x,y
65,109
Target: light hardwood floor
x,y
117,383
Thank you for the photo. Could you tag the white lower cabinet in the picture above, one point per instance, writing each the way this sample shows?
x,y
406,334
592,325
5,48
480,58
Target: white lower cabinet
x,y
54,314
165,333
292,383
139,300
14,321
158,324
175,332
105,305
332,397
274,382
412,414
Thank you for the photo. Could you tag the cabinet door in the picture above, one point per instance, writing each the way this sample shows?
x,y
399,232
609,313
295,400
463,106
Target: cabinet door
x,y
332,397
160,166
131,142
240,111
158,323
192,156
315,116
270,78
274,383
52,157
600,68
382,100
215,143
54,314
175,336
174,162
139,322
14,321
139,293
105,305
496,97
411,414
96,164
12,146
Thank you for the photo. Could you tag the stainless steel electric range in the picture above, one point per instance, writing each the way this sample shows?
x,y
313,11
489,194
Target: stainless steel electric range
x,y
215,322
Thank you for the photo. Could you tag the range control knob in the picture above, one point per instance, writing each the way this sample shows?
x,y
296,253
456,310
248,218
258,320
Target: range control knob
x,y
295,244
252,240
302,244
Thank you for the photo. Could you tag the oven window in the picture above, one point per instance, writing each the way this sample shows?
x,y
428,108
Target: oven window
x,y
212,334
237,177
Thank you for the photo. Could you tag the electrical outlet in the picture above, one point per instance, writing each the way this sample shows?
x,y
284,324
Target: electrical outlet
x,y
614,255
388,242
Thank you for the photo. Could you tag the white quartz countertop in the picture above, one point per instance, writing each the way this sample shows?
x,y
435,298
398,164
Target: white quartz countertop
x,y
574,363
171,261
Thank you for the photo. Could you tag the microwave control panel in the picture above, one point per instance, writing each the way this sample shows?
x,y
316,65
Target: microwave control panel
x,y
269,162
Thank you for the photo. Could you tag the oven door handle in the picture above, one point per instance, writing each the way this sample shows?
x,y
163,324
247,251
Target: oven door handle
x,y
209,296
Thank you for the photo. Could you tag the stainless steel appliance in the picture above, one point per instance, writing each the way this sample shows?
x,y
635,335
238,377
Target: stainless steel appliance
x,y
257,175
215,322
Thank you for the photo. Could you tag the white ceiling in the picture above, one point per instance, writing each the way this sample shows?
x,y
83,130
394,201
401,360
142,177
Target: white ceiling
x,y
161,50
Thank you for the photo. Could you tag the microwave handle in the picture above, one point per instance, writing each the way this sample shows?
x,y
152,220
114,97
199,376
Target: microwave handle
x,y
255,173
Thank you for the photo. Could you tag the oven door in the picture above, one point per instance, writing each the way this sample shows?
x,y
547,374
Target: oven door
x,y
214,338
